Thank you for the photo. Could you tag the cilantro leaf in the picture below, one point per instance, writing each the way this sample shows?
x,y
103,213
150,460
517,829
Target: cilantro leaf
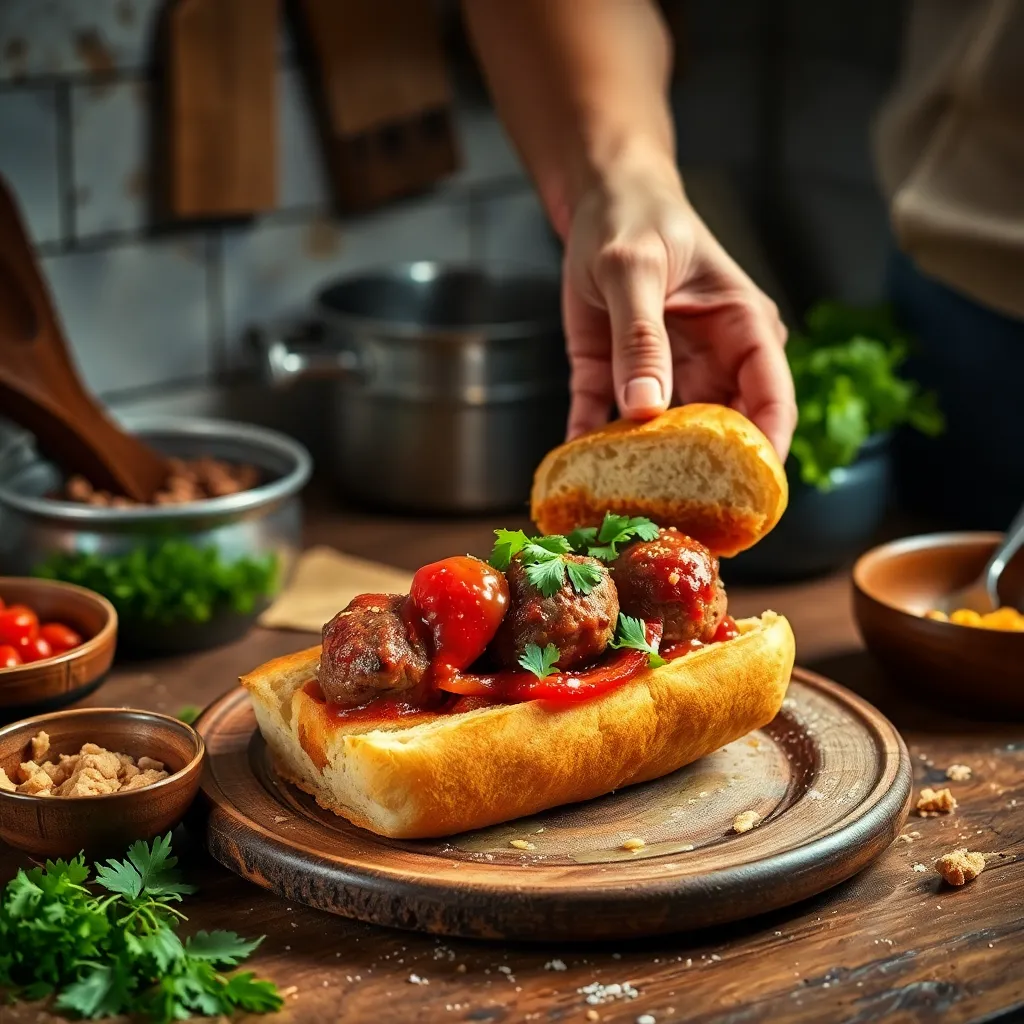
x,y
188,713
220,947
584,576
248,992
148,871
103,990
547,576
616,530
540,662
508,544
581,538
546,546
632,633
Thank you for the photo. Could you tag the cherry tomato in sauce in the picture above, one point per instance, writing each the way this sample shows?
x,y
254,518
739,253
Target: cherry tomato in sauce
x,y
461,601
18,624
727,630
9,657
60,637
35,650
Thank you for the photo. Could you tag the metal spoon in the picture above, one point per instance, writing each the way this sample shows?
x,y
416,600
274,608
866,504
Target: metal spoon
x,y
983,594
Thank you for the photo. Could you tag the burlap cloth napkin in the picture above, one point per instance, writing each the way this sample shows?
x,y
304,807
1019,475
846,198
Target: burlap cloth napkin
x,y
324,581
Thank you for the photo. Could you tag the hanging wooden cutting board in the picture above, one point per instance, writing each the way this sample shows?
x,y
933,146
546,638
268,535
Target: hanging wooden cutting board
x,y
221,107
385,103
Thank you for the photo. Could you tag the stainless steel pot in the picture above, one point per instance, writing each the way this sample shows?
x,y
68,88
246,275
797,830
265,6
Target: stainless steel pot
x,y
264,523
452,382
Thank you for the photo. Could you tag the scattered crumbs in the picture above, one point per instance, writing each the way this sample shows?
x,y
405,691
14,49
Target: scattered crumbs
x,y
933,802
287,949
779,934
920,867
597,993
616,956
415,979
278,818
703,794
960,866
689,962
646,1018
715,957
326,984
461,969
904,838
555,965
633,845
958,772
816,794
745,821
291,990
593,1015
538,832
522,844
505,969
686,848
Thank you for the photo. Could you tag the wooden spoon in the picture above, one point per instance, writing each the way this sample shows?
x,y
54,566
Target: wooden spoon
x,y
40,388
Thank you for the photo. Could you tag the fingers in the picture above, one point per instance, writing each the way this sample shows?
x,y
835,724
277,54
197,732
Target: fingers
x,y
588,341
766,390
632,282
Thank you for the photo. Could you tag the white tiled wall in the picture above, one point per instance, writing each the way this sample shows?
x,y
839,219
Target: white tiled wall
x,y
146,309
28,157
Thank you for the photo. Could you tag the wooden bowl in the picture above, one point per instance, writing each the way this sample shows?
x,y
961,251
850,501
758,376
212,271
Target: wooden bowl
x,y
47,826
962,667
54,682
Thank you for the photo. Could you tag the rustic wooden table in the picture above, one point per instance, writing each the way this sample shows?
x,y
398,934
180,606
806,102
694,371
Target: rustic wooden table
x,y
893,944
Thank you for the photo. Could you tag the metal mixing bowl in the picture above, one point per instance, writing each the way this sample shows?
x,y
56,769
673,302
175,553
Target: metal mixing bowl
x,y
262,523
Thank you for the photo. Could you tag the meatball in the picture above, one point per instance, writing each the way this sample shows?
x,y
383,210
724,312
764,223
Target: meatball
x,y
369,651
673,580
579,625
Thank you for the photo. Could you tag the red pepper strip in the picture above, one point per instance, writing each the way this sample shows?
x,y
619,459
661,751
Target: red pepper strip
x,y
514,686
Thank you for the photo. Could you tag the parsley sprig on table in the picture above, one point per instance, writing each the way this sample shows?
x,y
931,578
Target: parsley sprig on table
x,y
604,541
631,633
544,560
541,662
120,953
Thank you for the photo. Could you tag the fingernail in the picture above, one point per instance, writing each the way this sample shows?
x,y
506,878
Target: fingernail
x,y
643,394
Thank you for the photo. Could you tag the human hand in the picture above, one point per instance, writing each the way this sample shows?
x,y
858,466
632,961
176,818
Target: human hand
x,y
656,311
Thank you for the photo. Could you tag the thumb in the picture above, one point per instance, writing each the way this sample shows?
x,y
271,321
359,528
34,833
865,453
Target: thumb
x,y
641,357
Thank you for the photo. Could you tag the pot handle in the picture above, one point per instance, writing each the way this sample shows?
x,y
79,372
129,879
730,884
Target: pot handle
x,y
285,360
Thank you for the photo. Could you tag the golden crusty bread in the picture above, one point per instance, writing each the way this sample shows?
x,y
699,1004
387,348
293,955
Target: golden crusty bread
x,y
705,469
441,774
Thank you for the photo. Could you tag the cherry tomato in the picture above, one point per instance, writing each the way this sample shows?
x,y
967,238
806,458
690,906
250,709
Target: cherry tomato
x,y
462,601
35,650
60,637
17,624
9,657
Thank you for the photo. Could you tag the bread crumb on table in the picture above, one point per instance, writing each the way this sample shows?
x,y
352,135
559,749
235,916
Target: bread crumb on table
x,y
522,844
745,821
633,845
960,866
920,867
958,772
933,802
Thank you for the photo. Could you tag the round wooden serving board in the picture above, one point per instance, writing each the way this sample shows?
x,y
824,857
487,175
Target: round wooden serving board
x,y
830,777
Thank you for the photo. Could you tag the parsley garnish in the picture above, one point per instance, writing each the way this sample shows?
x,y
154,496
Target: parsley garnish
x,y
631,633
544,560
540,662
120,953
603,542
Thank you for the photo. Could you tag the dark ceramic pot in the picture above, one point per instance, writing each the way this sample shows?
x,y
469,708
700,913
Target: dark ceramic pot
x,y
821,530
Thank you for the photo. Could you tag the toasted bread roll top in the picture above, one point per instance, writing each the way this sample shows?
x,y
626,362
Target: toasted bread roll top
x,y
704,469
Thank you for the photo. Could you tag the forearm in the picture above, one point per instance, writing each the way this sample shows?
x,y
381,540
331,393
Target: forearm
x,y
581,86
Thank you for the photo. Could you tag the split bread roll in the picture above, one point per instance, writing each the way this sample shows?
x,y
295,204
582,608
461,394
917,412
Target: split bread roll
x,y
435,775
705,469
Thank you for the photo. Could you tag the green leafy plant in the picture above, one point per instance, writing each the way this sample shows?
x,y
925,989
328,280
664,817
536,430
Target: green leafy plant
x,y
173,581
102,955
845,367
